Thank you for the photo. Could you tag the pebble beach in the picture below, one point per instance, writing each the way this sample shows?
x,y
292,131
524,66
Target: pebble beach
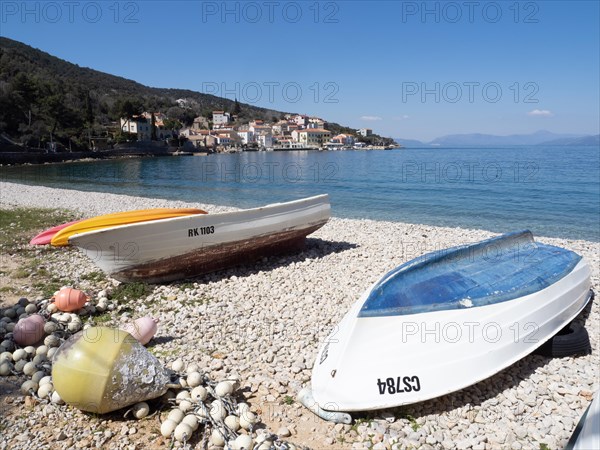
x,y
265,322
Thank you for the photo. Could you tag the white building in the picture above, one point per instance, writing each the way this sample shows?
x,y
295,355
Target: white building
x,y
365,132
265,140
301,120
139,126
220,118
247,136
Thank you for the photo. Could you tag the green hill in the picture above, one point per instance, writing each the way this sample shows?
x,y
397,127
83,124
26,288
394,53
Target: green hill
x,y
44,98
42,95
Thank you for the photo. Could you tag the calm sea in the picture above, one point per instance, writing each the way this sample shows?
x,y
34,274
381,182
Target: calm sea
x,y
553,191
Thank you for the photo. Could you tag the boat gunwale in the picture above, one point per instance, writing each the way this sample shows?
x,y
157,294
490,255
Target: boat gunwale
x,y
323,197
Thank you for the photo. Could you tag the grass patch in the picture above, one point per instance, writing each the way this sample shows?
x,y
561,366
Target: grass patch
x,y
20,273
544,446
102,318
413,422
95,276
288,400
48,287
128,292
201,300
18,226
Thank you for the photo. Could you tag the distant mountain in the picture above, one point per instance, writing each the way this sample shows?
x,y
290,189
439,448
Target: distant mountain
x,y
541,137
410,143
583,141
490,140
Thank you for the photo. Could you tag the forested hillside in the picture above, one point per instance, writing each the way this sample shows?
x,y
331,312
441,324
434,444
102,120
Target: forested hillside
x,y
46,99
43,97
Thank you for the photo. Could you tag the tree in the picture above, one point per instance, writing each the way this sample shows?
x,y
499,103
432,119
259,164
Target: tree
x,y
171,124
153,125
10,116
89,118
184,115
26,91
126,109
89,111
237,109
33,135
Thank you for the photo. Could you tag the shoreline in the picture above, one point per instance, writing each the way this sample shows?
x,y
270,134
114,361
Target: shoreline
x,y
73,199
265,322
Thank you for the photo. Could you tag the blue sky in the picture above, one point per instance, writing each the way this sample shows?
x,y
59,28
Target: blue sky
x,y
406,69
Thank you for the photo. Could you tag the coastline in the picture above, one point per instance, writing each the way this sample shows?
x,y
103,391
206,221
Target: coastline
x,y
266,321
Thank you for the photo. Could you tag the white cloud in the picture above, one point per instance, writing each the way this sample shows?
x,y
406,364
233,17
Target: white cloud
x,y
403,117
540,112
370,118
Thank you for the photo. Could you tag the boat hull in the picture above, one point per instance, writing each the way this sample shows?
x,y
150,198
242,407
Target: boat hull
x,y
380,362
587,433
183,247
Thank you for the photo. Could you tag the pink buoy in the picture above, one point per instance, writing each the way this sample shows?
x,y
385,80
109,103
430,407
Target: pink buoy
x,y
69,299
143,329
29,330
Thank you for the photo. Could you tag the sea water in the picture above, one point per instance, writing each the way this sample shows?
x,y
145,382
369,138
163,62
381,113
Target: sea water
x,y
553,191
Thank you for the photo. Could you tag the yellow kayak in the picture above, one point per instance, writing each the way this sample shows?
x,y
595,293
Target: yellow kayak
x,y
61,238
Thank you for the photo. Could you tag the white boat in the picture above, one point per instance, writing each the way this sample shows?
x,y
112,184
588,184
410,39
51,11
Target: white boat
x,y
182,247
447,320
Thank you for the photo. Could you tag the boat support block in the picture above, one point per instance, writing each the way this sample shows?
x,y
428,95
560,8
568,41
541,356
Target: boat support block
x,y
305,397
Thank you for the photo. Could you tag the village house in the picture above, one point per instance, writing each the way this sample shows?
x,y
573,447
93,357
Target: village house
x,y
300,120
200,123
279,127
346,140
283,142
200,138
264,140
162,132
247,136
316,122
312,137
220,118
228,138
257,129
138,125
365,132
141,126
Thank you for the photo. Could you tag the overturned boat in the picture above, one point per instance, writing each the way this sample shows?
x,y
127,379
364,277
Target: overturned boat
x,y
181,247
447,320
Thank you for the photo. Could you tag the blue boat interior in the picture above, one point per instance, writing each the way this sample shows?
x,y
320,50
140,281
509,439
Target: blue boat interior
x,y
492,271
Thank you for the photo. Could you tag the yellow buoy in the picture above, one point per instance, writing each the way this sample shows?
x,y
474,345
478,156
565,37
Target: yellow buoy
x,y
103,369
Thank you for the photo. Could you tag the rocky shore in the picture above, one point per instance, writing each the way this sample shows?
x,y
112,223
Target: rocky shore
x,y
264,323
